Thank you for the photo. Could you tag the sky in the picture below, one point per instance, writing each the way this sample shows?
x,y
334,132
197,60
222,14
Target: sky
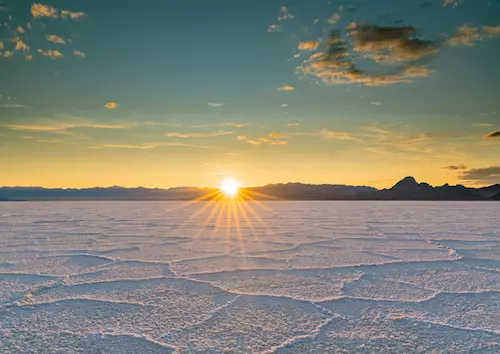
x,y
186,93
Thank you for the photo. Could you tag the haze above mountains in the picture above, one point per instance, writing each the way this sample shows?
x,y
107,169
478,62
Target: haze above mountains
x,y
406,189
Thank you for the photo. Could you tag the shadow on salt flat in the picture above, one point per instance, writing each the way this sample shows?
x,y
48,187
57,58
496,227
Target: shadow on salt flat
x,y
226,263
251,324
13,286
397,335
124,270
59,265
470,311
15,341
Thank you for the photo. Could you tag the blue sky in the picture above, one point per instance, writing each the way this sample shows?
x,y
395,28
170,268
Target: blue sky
x,y
185,93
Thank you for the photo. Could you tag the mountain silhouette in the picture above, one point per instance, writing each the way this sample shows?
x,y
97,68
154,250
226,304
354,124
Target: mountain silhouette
x,y
406,189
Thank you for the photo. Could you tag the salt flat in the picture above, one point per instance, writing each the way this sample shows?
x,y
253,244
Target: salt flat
x,y
285,277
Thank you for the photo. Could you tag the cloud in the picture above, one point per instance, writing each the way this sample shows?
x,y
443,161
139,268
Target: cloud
x,y
336,67
309,45
28,57
491,30
7,54
336,135
72,15
79,53
211,104
13,105
482,125
286,88
223,124
295,124
334,18
468,35
491,135
198,135
273,138
55,39
40,10
275,135
275,28
111,105
390,44
285,14
272,142
453,3
20,30
241,137
456,167
62,127
284,105
376,103
20,45
482,175
1,45
145,146
54,54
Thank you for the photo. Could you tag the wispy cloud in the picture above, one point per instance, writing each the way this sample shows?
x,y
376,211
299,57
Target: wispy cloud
x,y
145,146
486,125
285,14
274,28
55,39
468,35
223,124
456,167
276,135
273,138
491,135
334,18
294,124
376,103
62,127
79,53
72,15
54,54
212,104
198,135
338,135
286,88
111,105
13,105
242,137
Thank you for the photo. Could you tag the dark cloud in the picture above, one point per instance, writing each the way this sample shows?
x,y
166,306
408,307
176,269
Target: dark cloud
x,y
336,65
390,44
456,167
482,175
492,135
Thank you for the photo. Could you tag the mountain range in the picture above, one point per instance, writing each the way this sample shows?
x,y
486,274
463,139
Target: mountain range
x,y
406,189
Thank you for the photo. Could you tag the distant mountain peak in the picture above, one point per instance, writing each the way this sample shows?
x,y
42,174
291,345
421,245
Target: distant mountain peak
x,y
407,182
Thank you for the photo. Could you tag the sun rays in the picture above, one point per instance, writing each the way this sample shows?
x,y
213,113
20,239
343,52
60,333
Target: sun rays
x,y
232,213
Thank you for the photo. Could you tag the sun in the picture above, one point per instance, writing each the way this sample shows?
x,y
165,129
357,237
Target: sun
x,y
230,187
